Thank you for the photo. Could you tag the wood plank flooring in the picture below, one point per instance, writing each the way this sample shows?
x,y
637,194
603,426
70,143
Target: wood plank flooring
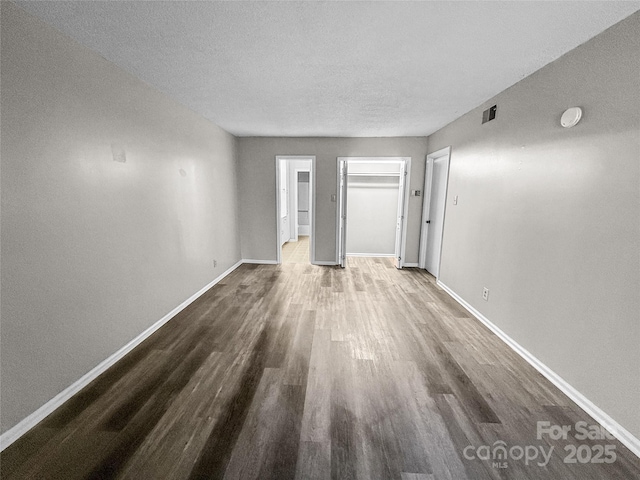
x,y
306,372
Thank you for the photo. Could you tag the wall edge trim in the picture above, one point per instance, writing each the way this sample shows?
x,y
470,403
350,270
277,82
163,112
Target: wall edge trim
x,y
622,434
27,423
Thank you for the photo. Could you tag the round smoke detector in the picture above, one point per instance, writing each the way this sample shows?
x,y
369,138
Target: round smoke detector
x,y
571,117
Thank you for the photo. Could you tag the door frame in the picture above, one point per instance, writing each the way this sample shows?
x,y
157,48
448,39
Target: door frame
x,y
406,161
426,205
312,205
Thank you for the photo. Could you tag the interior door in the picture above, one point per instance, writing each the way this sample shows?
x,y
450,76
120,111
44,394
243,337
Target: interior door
x,y
400,217
285,217
342,213
438,195
426,205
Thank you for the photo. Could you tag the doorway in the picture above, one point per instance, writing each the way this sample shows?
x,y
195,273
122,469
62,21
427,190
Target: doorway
x,y
295,229
372,204
434,209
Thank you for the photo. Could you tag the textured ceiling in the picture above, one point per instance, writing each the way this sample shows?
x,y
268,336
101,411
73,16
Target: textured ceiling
x,y
331,68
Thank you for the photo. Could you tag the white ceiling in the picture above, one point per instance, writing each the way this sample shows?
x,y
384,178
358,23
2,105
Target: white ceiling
x,y
331,68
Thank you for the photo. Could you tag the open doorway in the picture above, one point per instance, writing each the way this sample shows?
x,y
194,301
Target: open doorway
x,y
372,204
295,207
433,210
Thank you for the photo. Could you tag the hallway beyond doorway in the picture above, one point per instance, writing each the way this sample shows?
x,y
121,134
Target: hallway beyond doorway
x,y
296,252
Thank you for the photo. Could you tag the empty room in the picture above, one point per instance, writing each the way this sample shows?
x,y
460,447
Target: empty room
x,y
320,240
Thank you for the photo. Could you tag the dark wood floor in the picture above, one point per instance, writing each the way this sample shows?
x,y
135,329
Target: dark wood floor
x,y
297,371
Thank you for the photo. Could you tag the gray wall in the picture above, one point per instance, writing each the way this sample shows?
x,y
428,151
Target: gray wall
x,y
94,251
549,218
257,183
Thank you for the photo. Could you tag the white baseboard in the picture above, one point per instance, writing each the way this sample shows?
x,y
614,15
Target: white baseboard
x,y
259,262
274,262
410,265
14,433
370,255
621,433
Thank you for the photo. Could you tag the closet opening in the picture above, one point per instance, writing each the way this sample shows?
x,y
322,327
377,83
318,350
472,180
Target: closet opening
x,y
372,204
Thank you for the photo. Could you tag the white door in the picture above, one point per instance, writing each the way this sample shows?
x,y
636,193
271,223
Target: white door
x,y
342,213
283,199
400,217
435,201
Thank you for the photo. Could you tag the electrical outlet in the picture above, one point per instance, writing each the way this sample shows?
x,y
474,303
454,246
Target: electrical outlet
x,y
485,294
215,263
455,200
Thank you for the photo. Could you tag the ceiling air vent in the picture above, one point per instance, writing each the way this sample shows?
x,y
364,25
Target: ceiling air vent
x,y
489,114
